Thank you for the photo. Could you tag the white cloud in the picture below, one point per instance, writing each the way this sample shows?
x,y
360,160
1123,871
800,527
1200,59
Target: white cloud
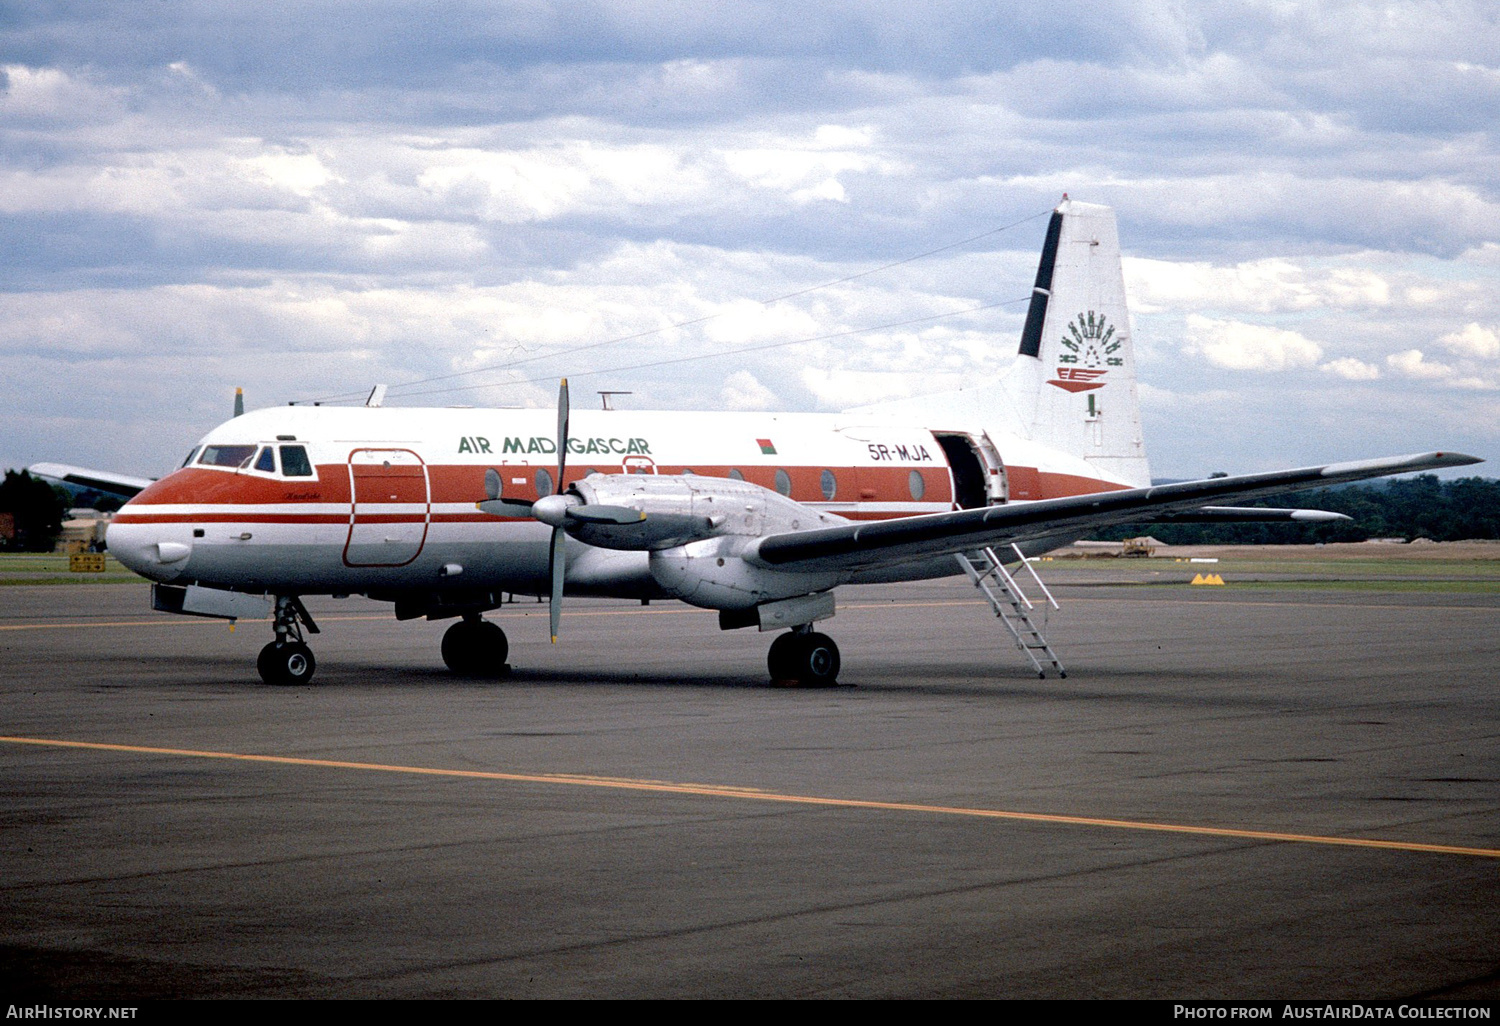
x,y
1468,375
1350,369
1475,341
1412,364
838,388
1271,285
743,391
1235,345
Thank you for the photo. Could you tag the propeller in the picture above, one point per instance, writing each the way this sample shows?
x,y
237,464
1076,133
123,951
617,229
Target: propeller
x,y
497,503
556,511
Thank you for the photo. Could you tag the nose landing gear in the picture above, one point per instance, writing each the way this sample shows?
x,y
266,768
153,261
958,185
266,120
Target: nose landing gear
x,y
803,658
288,660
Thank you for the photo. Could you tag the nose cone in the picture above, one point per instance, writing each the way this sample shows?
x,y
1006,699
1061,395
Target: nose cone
x,y
157,551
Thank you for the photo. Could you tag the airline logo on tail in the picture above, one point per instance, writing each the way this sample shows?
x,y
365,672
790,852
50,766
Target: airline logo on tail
x,y
1090,348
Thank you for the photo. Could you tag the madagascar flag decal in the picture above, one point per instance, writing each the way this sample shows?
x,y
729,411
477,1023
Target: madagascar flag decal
x,y
766,448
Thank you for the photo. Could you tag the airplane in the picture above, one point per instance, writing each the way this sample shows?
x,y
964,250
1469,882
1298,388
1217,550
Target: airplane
x,y
761,516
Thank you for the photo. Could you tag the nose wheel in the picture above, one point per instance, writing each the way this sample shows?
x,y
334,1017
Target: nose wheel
x,y
804,659
286,663
476,648
288,660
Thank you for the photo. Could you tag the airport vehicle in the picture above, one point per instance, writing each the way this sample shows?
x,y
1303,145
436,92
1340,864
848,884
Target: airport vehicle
x,y
758,515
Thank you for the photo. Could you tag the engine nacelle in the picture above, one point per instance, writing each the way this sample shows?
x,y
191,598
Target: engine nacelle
x,y
701,527
714,575
688,508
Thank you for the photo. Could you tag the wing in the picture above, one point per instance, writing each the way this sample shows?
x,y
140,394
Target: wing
x,y
122,485
867,545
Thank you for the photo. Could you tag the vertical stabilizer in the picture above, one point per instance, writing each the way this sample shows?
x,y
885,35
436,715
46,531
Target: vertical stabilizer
x,y
1073,384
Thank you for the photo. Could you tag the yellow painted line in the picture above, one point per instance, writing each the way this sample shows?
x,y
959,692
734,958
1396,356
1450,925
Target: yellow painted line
x,y
185,621
211,621
751,794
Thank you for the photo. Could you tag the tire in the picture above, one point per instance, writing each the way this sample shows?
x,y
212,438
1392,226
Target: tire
x,y
289,664
265,664
459,647
809,660
818,661
491,648
475,648
781,660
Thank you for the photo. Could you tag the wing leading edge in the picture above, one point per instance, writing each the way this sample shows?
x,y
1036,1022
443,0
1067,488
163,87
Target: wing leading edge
x,y
866,545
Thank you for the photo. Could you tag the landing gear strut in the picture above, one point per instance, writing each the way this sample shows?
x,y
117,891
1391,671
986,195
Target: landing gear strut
x,y
804,657
288,660
474,647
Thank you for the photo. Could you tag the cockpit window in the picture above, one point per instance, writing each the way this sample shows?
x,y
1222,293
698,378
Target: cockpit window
x,y
266,460
190,456
226,455
294,461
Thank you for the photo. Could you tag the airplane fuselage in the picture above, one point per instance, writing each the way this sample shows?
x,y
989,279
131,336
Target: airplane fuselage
x,y
320,500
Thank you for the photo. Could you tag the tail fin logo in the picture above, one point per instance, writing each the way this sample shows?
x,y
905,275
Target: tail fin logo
x,y
1090,348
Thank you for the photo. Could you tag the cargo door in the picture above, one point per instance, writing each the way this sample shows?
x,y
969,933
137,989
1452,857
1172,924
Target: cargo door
x,y
391,509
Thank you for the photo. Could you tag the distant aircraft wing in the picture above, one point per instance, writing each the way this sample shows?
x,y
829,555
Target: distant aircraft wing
x,y
122,485
1242,515
866,545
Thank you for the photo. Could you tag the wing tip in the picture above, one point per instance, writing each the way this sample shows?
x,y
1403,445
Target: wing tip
x,y
1402,464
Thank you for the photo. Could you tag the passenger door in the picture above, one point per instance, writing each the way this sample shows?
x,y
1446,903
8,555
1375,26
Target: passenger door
x,y
391,507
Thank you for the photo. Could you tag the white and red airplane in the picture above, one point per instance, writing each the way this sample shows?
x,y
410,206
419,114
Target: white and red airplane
x,y
758,515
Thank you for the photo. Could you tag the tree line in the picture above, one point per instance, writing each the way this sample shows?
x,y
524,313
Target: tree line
x,y
1407,508
36,509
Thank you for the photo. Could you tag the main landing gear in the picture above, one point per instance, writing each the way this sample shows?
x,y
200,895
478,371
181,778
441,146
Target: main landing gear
x,y
474,647
288,660
803,658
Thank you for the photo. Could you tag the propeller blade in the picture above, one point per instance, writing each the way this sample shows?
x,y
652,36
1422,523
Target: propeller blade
x,y
562,431
492,483
505,507
600,514
559,567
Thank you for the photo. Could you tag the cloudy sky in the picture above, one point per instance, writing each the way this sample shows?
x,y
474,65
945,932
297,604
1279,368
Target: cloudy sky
x,y
305,199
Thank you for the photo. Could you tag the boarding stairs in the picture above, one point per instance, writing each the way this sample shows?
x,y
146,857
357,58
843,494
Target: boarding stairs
x,y
1011,605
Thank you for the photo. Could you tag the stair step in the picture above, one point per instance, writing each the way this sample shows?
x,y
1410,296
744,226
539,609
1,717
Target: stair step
x,y
1002,591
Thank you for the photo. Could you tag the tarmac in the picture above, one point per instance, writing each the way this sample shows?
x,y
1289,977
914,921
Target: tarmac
x,y
1235,793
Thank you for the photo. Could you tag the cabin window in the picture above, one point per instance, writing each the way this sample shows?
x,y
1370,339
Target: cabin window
x,y
294,461
226,455
735,475
916,484
543,482
190,456
830,484
266,460
783,482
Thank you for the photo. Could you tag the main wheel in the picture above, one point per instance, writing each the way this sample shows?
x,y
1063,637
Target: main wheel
x,y
817,661
475,648
291,663
781,660
811,660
